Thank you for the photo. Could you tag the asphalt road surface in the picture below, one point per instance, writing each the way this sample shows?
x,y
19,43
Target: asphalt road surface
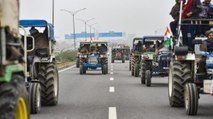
x,y
116,95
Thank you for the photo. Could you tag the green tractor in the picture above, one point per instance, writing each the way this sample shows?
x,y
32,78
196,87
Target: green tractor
x,y
13,92
155,58
135,57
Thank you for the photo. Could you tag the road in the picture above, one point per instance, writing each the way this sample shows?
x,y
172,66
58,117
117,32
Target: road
x,y
116,96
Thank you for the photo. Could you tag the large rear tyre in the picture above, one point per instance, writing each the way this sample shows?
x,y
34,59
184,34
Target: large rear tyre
x,y
132,66
129,65
77,62
178,73
148,78
81,69
191,98
136,71
104,69
48,76
14,99
35,97
113,60
123,59
143,70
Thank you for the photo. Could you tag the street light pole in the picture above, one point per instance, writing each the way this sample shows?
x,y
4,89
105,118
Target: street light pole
x,y
85,22
73,16
53,11
91,28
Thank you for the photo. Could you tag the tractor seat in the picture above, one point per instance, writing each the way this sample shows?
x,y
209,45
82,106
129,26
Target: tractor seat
x,y
42,52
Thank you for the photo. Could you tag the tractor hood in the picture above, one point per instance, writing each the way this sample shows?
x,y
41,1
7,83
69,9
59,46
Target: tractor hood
x,y
9,16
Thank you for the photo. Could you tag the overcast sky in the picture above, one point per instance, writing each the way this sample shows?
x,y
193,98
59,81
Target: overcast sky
x,y
140,17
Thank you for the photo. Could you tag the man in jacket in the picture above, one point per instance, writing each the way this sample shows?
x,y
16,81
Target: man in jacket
x,y
191,10
207,45
175,11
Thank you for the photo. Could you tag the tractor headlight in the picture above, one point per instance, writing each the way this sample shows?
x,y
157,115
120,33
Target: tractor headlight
x,y
210,71
102,56
145,57
208,62
83,56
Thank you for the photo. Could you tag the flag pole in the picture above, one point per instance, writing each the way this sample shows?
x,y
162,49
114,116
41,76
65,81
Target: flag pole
x,y
179,22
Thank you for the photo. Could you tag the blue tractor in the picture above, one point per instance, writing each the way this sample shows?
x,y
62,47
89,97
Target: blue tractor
x,y
154,59
42,72
93,55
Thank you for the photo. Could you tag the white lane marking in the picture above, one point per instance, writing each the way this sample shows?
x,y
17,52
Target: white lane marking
x,y
66,69
111,89
112,113
111,72
111,79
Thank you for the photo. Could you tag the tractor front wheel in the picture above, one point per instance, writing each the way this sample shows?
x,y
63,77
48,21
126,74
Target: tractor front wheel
x,y
191,98
35,97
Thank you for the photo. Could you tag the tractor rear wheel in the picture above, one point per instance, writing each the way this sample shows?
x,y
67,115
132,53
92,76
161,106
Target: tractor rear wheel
x,y
129,65
77,62
136,67
14,99
132,66
123,59
143,70
104,69
148,78
48,76
178,73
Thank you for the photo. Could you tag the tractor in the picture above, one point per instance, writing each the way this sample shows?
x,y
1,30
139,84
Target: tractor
x,y
118,53
135,56
42,72
154,59
14,103
190,72
93,55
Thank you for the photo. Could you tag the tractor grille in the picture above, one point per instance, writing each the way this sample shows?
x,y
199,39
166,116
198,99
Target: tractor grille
x,y
164,61
93,60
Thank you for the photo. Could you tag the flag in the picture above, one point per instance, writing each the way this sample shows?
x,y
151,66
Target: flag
x,y
167,38
91,40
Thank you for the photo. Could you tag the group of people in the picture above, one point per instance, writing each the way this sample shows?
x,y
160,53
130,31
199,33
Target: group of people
x,y
192,9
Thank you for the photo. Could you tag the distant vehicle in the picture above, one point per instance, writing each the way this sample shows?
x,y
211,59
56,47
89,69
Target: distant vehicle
x,y
154,61
118,53
93,55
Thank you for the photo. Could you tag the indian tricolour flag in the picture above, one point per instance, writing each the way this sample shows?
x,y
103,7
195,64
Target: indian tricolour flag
x,y
91,40
167,38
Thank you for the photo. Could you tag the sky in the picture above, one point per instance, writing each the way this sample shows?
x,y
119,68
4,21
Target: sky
x,y
139,17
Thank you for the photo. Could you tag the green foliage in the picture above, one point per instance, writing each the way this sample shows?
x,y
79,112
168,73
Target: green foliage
x,y
66,56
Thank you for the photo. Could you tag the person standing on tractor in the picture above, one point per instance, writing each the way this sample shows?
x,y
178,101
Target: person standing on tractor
x,y
208,43
204,14
175,11
191,10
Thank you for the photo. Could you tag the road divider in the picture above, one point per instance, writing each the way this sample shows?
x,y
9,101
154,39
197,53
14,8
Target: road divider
x,y
112,113
111,89
111,79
